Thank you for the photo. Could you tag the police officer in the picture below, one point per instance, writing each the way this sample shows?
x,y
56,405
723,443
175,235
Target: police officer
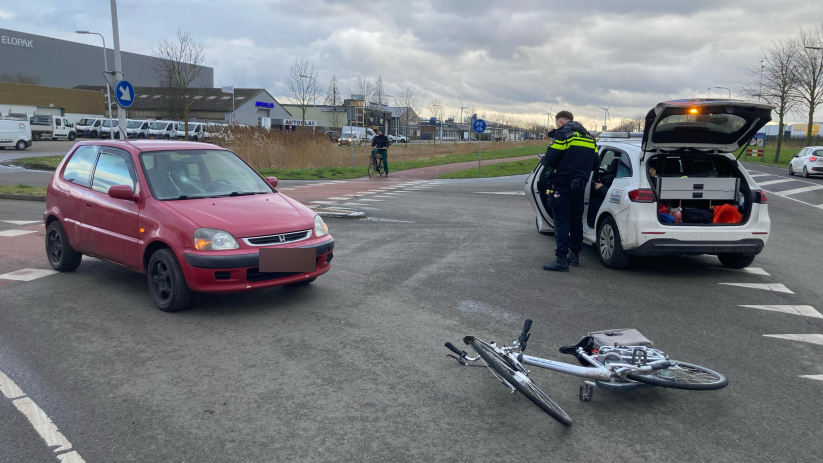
x,y
573,155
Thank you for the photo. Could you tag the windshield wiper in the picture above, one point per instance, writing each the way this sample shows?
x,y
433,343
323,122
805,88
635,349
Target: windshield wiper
x,y
239,193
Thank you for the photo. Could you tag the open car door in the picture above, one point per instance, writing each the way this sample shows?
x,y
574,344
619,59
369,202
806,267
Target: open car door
x,y
535,189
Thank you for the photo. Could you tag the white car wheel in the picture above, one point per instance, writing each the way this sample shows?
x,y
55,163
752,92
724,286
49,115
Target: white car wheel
x,y
805,172
791,170
609,246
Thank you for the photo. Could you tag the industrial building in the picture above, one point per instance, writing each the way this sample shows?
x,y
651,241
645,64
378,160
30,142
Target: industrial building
x,y
21,99
60,63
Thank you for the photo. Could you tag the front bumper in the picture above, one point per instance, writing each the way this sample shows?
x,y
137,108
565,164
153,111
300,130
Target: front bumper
x,y
668,246
229,273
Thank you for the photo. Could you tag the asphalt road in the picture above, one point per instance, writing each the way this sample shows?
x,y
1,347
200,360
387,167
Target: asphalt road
x,y
353,367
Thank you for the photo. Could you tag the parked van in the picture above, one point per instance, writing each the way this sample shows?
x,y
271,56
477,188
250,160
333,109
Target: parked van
x,y
365,134
138,129
163,130
15,133
89,127
105,129
195,131
54,127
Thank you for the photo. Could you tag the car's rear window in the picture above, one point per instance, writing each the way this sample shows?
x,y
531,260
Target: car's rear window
x,y
701,125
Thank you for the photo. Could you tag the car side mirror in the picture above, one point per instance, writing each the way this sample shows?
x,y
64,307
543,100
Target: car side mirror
x,y
123,192
272,181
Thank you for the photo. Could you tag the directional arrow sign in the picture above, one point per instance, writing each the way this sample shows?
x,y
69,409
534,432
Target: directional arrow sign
x,y
124,92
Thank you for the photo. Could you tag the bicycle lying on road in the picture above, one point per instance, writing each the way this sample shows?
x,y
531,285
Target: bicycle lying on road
x,y
613,359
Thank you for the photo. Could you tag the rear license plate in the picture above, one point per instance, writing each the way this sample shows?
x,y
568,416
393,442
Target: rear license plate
x,y
301,260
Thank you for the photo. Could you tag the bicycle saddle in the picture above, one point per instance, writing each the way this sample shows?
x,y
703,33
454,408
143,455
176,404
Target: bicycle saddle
x,y
586,342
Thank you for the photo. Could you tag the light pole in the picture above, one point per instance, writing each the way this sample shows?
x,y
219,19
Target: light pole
x,y
106,70
760,93
313,95
726,88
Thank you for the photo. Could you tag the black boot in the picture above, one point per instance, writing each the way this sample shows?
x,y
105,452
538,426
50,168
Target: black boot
x,y
559,265
574,259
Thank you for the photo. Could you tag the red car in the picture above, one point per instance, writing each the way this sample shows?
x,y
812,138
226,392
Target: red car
x,y
193,216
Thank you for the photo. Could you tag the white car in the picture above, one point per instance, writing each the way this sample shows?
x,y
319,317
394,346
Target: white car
x,y
682,163
398,139
809,161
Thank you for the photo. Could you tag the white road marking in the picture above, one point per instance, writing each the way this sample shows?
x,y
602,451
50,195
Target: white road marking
x,y
285,189
355,204
776,287
512,193
382,196
805,310
39,420
377,219
760,175
10,233
774,182
811,338
363,193
396,193
793,199
374,200
350,195
750,270
817,377
324,202
22,222
338,198
27,274
800,190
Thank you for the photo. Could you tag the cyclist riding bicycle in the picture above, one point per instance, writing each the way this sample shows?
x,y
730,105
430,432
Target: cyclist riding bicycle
x,y
380,143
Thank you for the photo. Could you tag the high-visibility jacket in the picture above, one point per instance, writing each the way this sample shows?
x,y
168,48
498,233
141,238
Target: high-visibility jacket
x,y
572,155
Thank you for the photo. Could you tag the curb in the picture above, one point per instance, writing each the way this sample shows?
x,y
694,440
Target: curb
x,y
22,197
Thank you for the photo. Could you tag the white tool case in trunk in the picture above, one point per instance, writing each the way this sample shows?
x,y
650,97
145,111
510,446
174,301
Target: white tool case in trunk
x,y
718,189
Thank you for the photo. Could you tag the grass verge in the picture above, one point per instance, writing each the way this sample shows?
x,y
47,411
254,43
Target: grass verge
x,y
21,189
495,170
38,163
768,157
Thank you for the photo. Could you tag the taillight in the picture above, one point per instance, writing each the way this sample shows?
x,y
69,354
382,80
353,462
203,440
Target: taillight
x,y
759,197
763,197
812,159
644,195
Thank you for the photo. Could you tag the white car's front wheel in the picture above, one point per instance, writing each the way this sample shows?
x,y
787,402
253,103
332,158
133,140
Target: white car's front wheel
x,y
611,251
791,170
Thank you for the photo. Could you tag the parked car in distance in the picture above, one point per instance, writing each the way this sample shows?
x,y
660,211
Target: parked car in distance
x,y
349,139
89,127
398,139
196,131
194,217
166,130
16,133
809,161
333,135
106,127
54,127
137,129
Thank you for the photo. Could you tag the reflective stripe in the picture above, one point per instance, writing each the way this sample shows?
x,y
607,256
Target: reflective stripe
x,y
565,144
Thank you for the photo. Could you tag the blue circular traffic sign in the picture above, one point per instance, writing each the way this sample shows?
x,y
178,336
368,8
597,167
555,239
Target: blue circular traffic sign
x,y
124,93
479,126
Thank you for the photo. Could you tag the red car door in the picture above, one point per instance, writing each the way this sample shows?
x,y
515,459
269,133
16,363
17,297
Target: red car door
x,y
69,189
111,224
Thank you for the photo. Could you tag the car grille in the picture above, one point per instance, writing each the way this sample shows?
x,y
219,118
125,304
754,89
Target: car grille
x,y
282,238
254,274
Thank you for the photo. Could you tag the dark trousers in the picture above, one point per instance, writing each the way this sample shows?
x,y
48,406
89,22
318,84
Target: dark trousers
x,y
384,153
568,222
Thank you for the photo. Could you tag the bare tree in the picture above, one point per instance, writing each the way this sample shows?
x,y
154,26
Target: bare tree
x,y
435,108
779,83
19,78
301,85
410,106
178,64
334,99
638,122
810,74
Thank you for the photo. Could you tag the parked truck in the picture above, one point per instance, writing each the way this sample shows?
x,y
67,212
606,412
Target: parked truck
x,y
54,127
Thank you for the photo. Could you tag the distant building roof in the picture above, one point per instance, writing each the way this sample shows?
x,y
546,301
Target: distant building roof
x,y
203,99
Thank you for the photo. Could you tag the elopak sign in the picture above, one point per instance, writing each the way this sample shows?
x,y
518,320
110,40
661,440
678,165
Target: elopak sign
x,y
16,41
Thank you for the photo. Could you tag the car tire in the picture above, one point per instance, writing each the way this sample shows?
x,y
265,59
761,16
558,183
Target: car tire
x,y
791,171
167,284
20,146
735,261
72,136
167,137
95,134
537,224
58,250
609,247
37,136
805,172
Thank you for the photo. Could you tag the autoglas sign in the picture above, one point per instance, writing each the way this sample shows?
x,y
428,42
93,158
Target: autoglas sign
x,y
263,104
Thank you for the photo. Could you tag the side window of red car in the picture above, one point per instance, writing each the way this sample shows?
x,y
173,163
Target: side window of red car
x,y
78,169
112,170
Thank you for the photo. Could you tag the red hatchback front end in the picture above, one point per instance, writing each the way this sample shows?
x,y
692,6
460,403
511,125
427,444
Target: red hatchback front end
x,y
193,216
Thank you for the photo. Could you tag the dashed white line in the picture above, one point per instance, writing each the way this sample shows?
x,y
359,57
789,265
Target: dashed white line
x,y
338,198
27,222
800,190
323,202
804,310
27,274
817,377
39,420
810,338
513,193
355,204
761,175
774,182
10,233
749,270
370,200
776,287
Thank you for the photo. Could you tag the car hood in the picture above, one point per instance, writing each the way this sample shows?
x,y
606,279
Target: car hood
x,y
245,216
704,124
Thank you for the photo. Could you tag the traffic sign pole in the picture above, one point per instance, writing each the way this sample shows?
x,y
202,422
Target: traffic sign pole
x,y
118,71
479,126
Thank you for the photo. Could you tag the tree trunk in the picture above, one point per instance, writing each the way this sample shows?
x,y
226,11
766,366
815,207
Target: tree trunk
x,y
186,119
809,126
779,138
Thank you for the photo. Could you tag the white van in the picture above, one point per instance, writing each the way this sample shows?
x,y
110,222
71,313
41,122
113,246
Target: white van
x,y
163,130
89,127
15,133
54,127
195,131
365,134
137,129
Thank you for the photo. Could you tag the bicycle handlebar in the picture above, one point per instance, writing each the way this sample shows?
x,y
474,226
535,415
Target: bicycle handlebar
x,y
524,336
457,351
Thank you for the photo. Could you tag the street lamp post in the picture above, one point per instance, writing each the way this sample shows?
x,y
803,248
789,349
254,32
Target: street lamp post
x,y
313,107
106,70
726,88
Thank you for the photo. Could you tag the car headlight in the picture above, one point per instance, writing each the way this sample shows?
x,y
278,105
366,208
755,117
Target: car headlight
x,y
320,227
212,239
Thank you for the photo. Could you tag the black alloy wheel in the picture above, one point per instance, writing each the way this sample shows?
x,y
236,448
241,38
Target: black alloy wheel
x,y
167,284
60,253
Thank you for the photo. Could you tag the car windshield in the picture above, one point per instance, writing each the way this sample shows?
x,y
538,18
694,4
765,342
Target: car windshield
x,y
189,174
85,122
134,124
158,125
116,123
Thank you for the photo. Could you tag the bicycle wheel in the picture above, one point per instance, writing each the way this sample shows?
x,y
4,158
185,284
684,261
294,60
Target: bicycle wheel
x,y
682,375
380,169
520,381
371,169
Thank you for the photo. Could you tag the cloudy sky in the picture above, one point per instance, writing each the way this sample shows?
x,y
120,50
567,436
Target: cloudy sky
x,y
518,57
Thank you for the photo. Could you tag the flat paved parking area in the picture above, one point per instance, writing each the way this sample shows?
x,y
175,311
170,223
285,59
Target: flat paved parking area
x,y
353,368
